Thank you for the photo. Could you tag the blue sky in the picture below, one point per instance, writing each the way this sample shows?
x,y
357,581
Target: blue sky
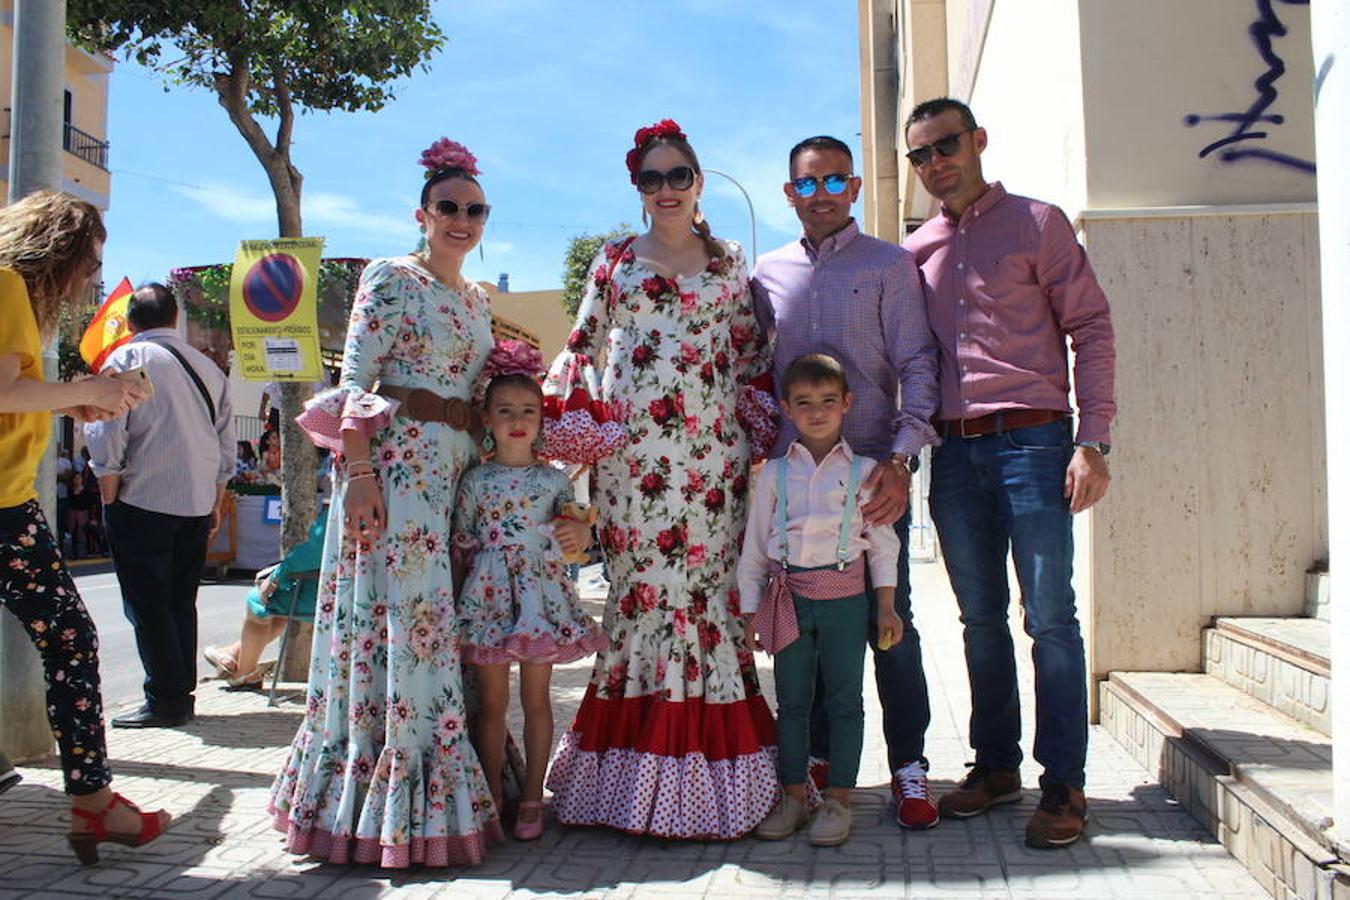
x,y
546,93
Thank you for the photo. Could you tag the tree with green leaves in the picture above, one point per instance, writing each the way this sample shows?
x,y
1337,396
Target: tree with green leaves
x,y
266,61
577,261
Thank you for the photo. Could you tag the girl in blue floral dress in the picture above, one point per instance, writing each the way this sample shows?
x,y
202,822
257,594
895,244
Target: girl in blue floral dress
x,y
517,603
382,769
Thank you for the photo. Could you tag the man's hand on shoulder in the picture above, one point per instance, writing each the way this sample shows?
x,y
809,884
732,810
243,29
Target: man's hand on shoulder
x,y
889,484
1086,479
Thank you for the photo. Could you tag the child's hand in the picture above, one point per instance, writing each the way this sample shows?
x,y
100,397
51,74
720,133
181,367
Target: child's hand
x,y
890,628
573,537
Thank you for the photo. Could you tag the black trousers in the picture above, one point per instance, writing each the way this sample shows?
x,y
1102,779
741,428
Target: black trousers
x,y
36,587
159,560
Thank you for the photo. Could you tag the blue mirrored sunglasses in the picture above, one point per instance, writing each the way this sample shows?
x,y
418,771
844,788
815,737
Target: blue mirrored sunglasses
x,y
834,184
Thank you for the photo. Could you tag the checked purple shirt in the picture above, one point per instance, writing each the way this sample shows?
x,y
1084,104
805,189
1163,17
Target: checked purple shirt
x,y
858,299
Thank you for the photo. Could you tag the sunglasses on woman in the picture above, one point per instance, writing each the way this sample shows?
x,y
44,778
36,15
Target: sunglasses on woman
x,y
448,209
680,178
834,184
946,146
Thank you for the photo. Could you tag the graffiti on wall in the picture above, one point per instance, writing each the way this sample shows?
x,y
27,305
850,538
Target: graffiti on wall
x,y
1247,129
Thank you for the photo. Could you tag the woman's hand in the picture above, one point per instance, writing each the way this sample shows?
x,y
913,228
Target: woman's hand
x,y
572,536
112,395
364,507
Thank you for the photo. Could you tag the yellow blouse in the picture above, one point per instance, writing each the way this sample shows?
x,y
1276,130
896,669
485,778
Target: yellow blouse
x,y
23,436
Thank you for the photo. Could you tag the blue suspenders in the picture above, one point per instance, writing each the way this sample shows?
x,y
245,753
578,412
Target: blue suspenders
x,y
845,526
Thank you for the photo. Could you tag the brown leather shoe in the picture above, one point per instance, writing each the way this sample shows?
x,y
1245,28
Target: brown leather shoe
x,y
1059,820
982,788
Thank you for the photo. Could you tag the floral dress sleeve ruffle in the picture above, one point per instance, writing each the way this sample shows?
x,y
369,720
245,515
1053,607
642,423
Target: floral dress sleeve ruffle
x,y
376,315
580,426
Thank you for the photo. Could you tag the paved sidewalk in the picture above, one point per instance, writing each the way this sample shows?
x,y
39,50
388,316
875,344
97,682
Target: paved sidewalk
x,y
214,776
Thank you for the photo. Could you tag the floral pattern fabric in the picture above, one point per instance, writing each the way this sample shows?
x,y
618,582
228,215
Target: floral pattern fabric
x,y
673,737
382,769
37,588
518,602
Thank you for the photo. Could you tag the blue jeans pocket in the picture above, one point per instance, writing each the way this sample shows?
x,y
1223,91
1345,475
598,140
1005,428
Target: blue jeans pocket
x,y
1052,436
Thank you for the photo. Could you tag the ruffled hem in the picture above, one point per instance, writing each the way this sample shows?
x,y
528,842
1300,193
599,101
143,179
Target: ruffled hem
x,y
758,412
579,427
328,414
538,650
457,850
653,724
687,797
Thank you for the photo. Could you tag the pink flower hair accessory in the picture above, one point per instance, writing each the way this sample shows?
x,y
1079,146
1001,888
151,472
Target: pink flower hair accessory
x,y
510,357
448,154
666,128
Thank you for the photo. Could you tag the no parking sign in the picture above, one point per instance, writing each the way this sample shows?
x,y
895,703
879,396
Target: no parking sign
x,y
274,309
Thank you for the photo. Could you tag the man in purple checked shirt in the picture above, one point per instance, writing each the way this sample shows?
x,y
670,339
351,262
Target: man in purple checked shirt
x,y
858,299
1006,282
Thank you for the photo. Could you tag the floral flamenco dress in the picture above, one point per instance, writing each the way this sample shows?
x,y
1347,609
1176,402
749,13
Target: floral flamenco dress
x,y
382,769
517,602
673,737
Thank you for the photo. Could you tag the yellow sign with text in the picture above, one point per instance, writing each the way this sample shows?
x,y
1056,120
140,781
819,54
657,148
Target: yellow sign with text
x,y
274,309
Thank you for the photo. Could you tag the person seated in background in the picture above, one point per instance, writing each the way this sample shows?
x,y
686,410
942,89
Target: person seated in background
x,y
269,457
245,459
269,603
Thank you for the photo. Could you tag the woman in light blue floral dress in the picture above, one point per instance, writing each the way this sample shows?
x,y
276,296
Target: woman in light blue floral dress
x,y
382,769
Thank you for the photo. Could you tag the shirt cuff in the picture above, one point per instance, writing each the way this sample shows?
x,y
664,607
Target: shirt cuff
x,y
910,440
1093,428
750,596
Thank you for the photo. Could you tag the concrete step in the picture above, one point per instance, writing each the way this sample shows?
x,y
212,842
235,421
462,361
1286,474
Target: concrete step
x,y
1283,662
1259,780
1318,594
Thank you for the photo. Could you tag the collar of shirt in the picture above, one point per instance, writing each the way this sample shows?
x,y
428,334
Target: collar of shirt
x,y
832,244
983,203
798,449
151,333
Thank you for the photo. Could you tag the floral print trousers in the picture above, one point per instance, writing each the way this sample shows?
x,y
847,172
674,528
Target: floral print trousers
x,y
37,588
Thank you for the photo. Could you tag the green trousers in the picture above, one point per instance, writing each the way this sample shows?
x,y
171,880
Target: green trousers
x,y
833,633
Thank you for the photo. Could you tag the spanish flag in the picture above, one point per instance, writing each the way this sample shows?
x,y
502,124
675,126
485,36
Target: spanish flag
x,y
108,330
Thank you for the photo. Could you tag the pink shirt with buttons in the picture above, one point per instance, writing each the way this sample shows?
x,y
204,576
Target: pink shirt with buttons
x,y
1005,283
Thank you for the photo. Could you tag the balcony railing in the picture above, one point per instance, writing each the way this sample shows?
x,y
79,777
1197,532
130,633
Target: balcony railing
x,y
85,146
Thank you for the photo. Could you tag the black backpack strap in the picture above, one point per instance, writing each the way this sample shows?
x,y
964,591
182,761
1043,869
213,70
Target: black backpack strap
x,y
196,379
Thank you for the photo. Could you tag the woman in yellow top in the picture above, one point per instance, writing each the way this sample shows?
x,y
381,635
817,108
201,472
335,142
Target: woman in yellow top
x,y
51,246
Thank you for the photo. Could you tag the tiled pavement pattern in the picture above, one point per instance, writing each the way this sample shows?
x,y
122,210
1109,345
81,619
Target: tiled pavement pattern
x,y
214,775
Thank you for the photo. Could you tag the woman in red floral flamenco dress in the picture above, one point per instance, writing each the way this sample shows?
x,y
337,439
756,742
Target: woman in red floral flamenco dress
x,y
673,737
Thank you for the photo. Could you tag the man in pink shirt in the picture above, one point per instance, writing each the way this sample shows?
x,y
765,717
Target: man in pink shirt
x,y
1006,283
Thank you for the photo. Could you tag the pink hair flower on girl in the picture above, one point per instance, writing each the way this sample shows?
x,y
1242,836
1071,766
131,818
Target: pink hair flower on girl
x,y
510,357
448,154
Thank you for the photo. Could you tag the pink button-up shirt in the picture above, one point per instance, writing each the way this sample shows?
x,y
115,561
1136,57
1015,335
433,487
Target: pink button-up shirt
x,y
1005,283
815,513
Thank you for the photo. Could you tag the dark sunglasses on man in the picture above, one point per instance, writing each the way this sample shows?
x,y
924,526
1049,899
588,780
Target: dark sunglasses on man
x,y
946,146
680,178
834,184
448,209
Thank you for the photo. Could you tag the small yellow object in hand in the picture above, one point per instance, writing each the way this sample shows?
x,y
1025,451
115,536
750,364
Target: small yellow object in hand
x,y
885,641
579,513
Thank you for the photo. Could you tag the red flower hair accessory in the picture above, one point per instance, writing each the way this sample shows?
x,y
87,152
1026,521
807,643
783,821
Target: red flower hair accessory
x,y
447,154
666,128
510,357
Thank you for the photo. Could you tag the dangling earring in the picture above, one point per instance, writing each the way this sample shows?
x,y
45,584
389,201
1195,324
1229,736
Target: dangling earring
x,y
645,222
698,214
538,445
488,443
480,252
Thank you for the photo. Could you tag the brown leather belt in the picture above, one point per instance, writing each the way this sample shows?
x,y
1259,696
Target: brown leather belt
x,y
428,406
998,422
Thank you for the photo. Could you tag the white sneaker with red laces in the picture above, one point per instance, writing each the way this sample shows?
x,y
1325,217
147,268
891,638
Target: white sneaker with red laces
x,y
914,803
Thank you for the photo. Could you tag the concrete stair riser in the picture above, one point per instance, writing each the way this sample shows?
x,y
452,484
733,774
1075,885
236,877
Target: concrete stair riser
x,y
1292,679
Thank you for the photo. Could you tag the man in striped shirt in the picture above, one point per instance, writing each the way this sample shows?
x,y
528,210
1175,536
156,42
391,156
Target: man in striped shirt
x,y
162,470
846,294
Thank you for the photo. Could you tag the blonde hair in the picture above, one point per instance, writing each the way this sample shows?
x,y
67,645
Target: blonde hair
x,y
48,239
716,252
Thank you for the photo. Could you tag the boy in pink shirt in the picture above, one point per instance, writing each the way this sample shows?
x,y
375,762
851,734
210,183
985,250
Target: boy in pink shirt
x,y
805,563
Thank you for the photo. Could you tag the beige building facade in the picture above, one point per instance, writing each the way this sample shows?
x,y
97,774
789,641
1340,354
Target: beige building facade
x,y
1179,138
84,137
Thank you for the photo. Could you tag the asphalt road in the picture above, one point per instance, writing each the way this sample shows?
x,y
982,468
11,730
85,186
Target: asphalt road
x,y
220,609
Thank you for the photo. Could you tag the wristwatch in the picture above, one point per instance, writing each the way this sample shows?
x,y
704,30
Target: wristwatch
x,y
908,461
1100,447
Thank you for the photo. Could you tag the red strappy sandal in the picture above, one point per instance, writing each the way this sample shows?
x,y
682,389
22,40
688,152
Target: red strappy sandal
x,y
85,843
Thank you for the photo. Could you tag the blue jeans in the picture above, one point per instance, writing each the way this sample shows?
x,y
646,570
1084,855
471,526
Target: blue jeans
x,y
988,492
901,685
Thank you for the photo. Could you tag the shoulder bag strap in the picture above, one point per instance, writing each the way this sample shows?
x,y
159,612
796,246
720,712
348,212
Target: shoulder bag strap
x,y
196,379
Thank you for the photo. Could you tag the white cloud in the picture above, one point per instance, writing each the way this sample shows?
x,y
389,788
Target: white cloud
x,y
322,211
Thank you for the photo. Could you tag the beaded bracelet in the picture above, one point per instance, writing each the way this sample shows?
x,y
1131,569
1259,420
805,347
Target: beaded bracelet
x,y
360,476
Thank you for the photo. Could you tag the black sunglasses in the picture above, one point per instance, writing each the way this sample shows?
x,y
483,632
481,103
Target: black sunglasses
x,y
448,209
946,146
834,184
680,178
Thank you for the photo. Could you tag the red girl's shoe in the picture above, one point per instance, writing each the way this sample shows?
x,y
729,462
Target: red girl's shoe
x,y
85,843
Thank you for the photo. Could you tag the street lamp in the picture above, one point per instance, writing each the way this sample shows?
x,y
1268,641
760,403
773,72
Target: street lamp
x,y
754,243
